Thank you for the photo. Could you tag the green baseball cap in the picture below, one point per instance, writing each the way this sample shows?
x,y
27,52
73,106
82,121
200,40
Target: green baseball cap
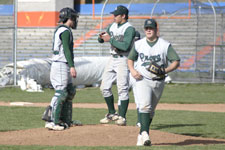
x,y
150,23
120,10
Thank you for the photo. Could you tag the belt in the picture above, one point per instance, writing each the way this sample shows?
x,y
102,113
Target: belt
x,y
116,56
158,79
61,62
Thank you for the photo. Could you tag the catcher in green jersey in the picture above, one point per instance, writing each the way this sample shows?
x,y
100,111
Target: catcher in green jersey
x,y
151,55
59,114
120,35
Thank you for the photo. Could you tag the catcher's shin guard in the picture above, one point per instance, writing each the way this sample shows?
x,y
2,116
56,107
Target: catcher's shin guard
x,y
67,108
57,109
66,115
47,114
71,91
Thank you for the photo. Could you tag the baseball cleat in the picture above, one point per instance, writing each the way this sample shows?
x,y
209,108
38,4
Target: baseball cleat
x,y
109,117
121,121
65,125
139,140
58,128
49,125
145,139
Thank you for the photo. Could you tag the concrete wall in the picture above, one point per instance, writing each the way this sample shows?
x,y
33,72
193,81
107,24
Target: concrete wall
x,y
40,13
63,3
36,5
43,5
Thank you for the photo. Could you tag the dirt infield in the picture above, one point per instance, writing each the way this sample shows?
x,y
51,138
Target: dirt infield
x,y
106,135
98,135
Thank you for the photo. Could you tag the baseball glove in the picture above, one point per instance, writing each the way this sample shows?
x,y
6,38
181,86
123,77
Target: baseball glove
x,y
157,70
47,114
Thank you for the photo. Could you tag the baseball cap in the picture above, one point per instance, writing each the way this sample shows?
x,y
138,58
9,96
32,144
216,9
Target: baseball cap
x,y
120,10
150,23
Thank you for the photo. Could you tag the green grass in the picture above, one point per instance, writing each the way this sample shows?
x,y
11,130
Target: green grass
x,y
193,93
19,118
201,124
173,93
86,95
11,94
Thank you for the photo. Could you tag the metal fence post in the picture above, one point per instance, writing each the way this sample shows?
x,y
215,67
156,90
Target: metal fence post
x,y
214,44
15,42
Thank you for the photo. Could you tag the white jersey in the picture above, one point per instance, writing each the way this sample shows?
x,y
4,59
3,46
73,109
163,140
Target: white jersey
x,y
148,54
58,52
118,34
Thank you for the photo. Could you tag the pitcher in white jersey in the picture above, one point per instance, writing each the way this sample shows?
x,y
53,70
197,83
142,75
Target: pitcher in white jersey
x,y
120,35
148,87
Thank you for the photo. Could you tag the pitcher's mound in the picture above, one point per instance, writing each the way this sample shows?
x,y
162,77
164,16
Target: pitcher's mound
x,y
97,135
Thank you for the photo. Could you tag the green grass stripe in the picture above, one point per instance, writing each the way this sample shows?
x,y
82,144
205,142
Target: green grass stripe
x,y
173,93
35,147
199,124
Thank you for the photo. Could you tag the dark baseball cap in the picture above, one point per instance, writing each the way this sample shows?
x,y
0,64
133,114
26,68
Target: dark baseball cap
x,y
150,23
120,10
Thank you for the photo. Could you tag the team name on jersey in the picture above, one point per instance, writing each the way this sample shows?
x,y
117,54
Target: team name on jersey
x,y
145,58
148,59
117,37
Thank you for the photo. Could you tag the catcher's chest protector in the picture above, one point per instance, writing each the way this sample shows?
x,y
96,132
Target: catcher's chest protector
x,y
58,46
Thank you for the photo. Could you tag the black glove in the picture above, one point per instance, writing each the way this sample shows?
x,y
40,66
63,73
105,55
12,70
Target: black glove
x,y
47,114
156,69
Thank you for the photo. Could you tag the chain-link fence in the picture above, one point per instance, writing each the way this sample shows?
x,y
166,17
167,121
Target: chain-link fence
x,y
209,60
206,62
195,29
6,40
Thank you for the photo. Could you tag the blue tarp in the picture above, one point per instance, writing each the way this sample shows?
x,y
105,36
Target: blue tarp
x,y
138,9
135,9
6,10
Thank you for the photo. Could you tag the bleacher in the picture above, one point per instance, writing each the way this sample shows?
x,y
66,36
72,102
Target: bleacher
x,y
6,40
37,42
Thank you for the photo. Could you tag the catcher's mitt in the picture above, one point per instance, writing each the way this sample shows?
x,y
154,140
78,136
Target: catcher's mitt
x,y
159,71
47,114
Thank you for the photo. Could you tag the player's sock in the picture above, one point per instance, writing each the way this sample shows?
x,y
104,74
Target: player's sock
x,y
66,114
124,106
119,108
138,115
145,122
110,103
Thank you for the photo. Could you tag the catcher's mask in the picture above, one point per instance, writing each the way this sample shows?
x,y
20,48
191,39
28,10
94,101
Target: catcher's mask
x,y
69,13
